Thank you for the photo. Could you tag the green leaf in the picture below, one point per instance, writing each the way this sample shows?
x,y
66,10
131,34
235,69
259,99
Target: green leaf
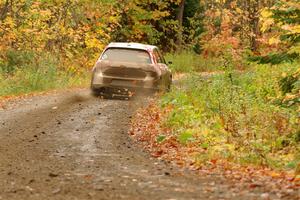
x,y
160,138
186,136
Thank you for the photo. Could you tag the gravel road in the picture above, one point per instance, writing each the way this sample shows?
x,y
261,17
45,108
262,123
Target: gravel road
x,y
70,145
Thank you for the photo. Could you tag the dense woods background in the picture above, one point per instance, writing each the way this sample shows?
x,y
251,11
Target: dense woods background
x,y
80,29
53,43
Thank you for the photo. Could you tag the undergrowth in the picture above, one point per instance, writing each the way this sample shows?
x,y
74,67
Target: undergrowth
x,y
26,72
188,61
239,117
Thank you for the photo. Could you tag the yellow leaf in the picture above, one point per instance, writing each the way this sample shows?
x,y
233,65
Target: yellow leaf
x,y
274,40
266,24
239,11
266,13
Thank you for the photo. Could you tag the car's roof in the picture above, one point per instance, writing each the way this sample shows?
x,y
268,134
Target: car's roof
x,y
131,45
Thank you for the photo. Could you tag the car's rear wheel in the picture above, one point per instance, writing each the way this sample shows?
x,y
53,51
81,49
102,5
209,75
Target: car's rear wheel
x,y
95,92
100,92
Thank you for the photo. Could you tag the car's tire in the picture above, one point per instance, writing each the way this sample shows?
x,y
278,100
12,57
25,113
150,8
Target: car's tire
x,y
95,92
106,93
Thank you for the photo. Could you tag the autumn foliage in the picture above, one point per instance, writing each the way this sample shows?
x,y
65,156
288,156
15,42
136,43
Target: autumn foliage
x,y
186,150
237,121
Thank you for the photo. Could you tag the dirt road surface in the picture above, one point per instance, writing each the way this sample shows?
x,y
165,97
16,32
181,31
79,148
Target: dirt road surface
x,y
71,145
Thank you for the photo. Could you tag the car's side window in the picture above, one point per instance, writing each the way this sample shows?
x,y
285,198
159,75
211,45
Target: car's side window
x,y
104,56
158,57
161,57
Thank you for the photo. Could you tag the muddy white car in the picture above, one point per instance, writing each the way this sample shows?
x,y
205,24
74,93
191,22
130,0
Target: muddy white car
x,y
130,66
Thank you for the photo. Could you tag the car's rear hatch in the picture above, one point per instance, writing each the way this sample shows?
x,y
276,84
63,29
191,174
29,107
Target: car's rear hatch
x,y
124,72
131,71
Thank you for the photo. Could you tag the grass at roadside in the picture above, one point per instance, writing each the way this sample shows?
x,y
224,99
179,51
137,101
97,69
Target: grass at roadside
x,y
24,73
237,117
243,118
191,62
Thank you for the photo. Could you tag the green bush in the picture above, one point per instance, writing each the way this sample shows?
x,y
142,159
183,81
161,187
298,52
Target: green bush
x,y
13,60
237,116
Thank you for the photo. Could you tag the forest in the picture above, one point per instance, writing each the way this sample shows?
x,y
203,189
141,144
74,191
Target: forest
x,y
246,112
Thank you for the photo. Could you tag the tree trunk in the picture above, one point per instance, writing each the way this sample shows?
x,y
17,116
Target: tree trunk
x,y
254,25
180,21
4,10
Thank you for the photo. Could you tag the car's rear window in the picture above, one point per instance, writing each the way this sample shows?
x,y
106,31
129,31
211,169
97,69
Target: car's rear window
x,y
126,55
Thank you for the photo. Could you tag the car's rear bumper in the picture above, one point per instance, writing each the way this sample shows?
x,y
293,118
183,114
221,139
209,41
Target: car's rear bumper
x,y
99,81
